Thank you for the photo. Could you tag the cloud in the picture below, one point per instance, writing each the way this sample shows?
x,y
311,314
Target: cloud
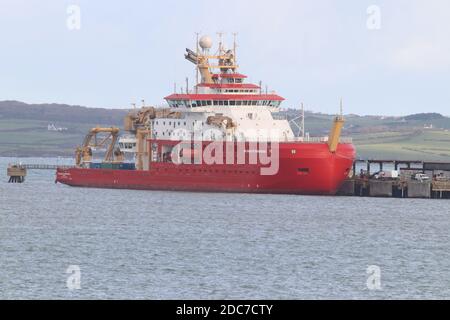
x,y
422,55
420,40
307,50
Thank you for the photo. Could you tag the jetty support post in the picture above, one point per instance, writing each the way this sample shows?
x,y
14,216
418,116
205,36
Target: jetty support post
x,y
16,174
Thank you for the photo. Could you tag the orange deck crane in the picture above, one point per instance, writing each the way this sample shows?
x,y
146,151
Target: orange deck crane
x,y
83,154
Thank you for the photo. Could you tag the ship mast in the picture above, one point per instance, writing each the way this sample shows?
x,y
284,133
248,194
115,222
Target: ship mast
x,y
196,66
201,56
220,34
234,47
303,121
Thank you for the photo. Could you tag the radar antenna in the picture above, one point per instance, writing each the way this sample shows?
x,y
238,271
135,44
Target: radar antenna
x,y
234,46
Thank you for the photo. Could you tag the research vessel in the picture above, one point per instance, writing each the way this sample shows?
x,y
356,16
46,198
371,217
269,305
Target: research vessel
x,y
221,135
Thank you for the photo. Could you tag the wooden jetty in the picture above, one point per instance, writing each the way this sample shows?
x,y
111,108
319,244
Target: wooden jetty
x,y
18,172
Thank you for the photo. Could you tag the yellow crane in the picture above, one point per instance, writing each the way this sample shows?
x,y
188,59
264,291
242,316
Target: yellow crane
x,y
83,154
335,133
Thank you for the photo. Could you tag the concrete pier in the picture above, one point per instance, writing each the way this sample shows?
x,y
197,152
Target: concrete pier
x,y
410,179
347,188
395,189
380,188
417,189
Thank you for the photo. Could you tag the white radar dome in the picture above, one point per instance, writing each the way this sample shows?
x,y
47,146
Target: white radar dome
x,y
205,42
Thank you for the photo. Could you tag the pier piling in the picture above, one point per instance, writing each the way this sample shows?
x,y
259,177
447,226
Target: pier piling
x,y
16,174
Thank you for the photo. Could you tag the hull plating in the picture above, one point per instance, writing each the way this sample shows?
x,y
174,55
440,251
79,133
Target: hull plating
x,y
310,169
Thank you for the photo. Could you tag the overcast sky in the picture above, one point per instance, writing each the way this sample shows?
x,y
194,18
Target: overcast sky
x,y
317,51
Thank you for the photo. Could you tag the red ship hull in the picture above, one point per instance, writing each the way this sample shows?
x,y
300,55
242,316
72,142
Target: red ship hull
x,y
310,170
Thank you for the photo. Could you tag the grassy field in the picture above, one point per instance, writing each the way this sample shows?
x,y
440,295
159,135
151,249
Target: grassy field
x,y
22,138
31,138
415,145
375,137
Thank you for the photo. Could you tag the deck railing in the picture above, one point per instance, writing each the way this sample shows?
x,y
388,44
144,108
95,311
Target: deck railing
x,y
40,166
320,139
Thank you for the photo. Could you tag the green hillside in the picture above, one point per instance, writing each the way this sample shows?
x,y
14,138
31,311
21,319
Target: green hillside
x,y
24,127
24,131
413,145
423,136
23,138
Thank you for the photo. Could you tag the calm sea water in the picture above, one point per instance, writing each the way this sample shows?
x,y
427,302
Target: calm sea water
x,y
174,245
